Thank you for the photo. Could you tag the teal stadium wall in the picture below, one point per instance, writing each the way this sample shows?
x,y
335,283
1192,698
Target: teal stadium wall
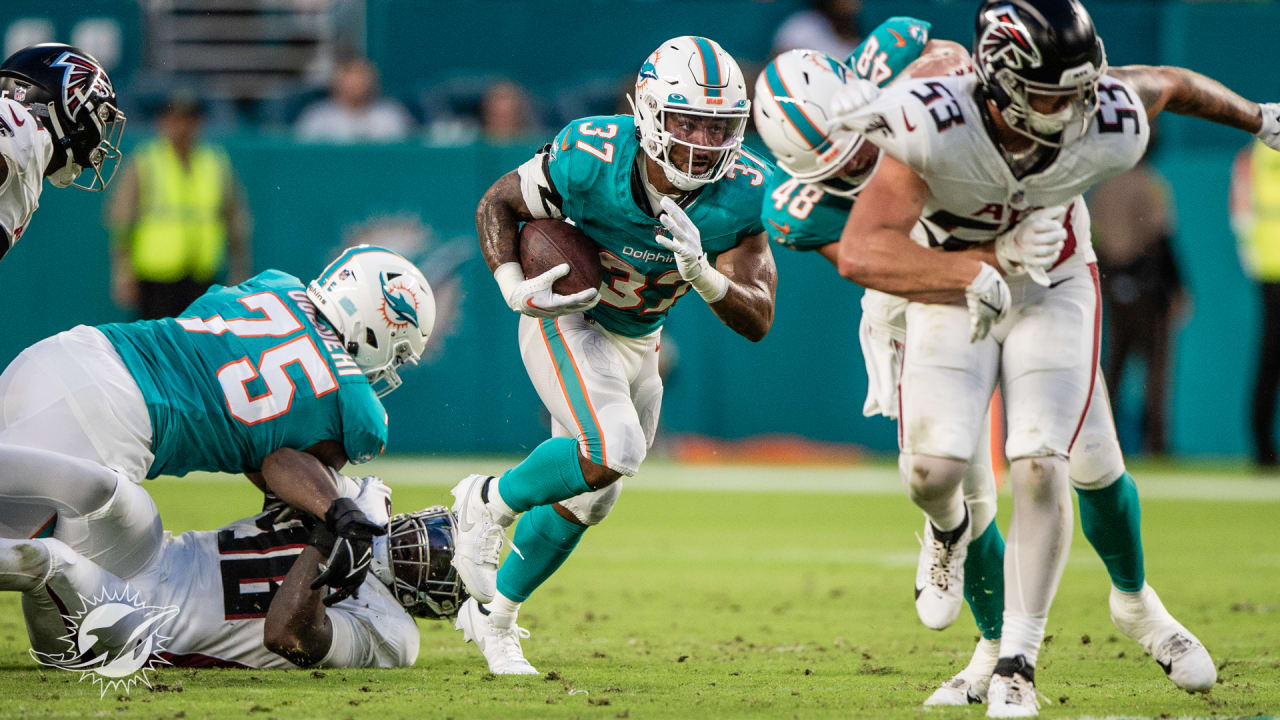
x,y
805,378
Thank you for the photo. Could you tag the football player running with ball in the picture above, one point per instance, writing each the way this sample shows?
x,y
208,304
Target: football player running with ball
x,y
968,159
673,200
58,118
271,378
811,216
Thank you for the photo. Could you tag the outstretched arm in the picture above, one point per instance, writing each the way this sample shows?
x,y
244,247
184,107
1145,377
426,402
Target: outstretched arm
x,y
1185,92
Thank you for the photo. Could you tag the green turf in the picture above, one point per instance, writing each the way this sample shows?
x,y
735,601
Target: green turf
x,y
695,602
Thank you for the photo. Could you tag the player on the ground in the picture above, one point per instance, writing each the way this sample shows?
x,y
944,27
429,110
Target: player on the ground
x,y
271,378
969,159
673,200
246,594
811,216
58,118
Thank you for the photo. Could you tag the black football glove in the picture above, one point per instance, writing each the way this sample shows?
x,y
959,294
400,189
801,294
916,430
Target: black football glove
x,y
346,538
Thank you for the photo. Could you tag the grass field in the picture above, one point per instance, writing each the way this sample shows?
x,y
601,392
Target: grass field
x,y
730,592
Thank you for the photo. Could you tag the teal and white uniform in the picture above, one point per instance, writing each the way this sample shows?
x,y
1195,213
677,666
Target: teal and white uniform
x,y
803,216
597,372
93,411
246,371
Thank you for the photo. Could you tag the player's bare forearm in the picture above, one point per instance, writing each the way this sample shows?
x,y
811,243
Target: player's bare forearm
x,y
300,480
1185,92
296,627
940,57
876,249
498,218
747,308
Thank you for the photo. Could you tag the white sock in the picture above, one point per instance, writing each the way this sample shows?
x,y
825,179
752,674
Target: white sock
x,y
984,659
1036,551
498,508
503,610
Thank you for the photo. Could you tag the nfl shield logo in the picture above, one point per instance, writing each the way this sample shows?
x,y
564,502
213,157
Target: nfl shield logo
x,y
20,93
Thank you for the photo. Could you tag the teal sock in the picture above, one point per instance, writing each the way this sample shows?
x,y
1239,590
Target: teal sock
x,y
984,581
550,474
1112,522
545,540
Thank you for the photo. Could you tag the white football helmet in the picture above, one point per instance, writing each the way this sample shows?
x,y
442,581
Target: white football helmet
x,y
800,97
691,93
381,306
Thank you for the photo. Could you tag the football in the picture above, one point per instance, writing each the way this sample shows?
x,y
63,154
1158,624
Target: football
x,y
547,243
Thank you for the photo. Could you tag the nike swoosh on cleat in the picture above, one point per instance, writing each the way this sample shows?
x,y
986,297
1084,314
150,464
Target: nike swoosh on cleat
x,y
1056,284
973,699
1166,666
989,305
918,591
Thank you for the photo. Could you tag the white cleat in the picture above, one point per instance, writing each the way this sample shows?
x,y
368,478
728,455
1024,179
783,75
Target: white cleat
x,y
477,540
1182,657
940,577
960,690
500,646
1013,690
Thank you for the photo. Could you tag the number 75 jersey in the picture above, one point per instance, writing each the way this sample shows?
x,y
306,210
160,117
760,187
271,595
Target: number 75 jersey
x,y
246,371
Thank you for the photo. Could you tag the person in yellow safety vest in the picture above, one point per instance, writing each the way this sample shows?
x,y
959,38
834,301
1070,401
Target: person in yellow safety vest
x,y
178,218
1255,218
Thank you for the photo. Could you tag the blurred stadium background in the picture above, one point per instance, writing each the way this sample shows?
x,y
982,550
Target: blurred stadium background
x,y
258,64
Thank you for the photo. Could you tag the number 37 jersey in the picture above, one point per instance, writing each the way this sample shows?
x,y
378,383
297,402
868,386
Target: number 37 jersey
x,y
586,176
246,371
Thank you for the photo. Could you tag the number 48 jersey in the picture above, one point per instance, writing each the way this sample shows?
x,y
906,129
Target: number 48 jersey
x,y
246,371
586,176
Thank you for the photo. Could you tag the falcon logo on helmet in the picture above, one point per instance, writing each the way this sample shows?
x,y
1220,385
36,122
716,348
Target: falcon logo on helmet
x,y
1007,39
81,81
1040,61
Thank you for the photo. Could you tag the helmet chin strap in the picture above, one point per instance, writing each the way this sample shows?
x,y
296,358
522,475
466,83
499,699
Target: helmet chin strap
x,y
65,175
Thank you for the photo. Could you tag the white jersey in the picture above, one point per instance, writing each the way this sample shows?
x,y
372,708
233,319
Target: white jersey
x,y
222,582
27,149
938,128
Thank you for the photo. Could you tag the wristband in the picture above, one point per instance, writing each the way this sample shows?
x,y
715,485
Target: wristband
x,y
508,276
711,284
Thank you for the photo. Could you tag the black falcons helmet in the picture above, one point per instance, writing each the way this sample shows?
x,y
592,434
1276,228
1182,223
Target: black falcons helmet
x,y
419,546
70,93
1039,47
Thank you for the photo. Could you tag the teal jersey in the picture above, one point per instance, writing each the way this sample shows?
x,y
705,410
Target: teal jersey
x,y
889,49
801,216
589,168
246,371
804,217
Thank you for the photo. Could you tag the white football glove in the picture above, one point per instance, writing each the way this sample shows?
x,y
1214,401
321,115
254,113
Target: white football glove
x,y
1034,244
1269,133
988,299
534,296
685,244
852,97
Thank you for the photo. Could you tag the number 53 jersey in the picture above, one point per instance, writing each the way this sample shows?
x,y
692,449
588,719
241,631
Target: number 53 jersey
x,y
246,371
